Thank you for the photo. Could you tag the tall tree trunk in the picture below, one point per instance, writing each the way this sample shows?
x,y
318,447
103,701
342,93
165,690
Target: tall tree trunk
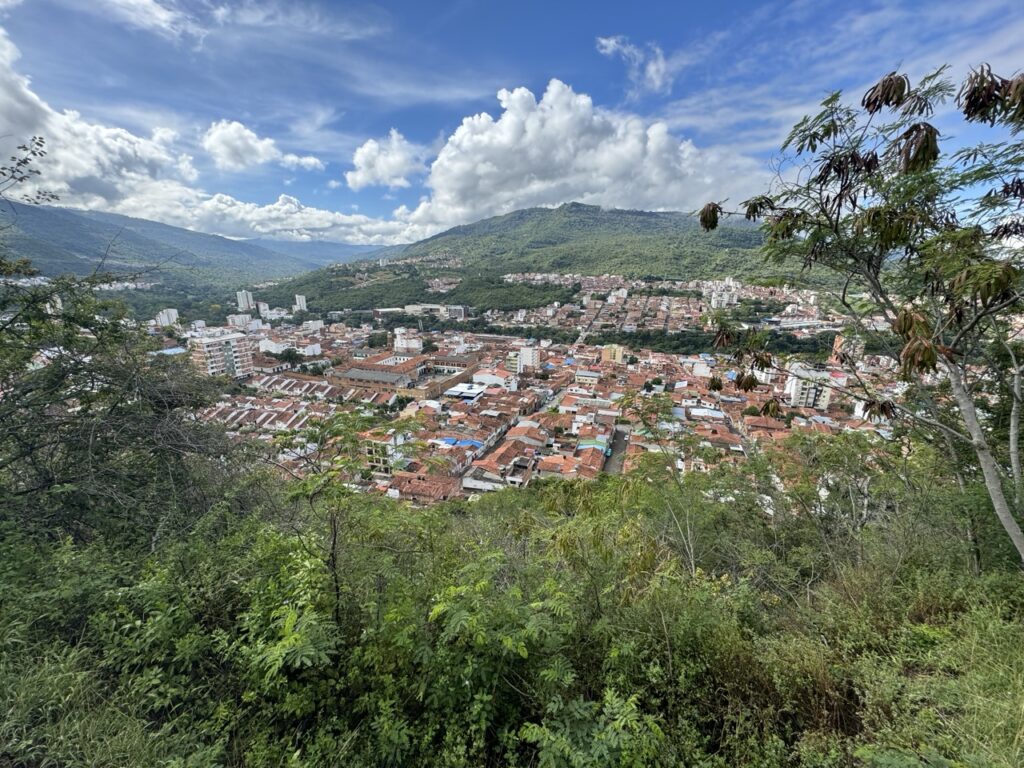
x,y
989,468
1018,481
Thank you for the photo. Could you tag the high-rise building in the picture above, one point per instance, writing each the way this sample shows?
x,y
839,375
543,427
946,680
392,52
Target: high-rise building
x,y
240,321
262,309
300,303
808,387
245,301
167,317
529,357
454,312
225,354
405,344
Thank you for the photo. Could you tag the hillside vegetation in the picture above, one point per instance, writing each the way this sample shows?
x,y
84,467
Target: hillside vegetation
x,y
572,238
593,241
63,240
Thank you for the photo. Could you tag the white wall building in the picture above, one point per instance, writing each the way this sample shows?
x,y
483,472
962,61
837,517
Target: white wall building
x,y
245,301
529,357
167,317
808,387
223,354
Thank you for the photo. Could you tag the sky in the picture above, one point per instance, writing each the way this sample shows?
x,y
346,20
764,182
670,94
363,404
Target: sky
x,y
383,124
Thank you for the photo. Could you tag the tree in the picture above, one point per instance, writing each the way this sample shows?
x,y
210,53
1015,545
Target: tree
x,y
926,241
96,433
291,355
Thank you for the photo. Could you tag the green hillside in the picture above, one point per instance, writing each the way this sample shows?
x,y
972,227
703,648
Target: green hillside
x,y
62,240
570,239
592,240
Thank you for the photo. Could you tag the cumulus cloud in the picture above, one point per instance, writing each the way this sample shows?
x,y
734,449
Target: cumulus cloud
x,y
305,162
385,163
94,165
561,148
106,168
233,147
647,66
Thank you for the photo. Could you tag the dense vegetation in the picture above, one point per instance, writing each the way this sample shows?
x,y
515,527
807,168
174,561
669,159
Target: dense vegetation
x,y
592,240
167,599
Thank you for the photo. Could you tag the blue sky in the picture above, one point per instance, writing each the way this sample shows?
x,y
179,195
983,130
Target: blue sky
x,y
386,123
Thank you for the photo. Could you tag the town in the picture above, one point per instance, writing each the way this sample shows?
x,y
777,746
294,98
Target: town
x,y
476,412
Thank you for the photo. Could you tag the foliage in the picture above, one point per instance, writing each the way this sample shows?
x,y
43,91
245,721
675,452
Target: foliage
x,y
934,240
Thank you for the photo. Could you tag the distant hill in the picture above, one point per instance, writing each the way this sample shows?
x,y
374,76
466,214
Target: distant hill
x,y
593,240
320,251
62,240
573,238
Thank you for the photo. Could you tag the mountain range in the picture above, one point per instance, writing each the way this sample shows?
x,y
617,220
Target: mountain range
x,y
63,240
572,238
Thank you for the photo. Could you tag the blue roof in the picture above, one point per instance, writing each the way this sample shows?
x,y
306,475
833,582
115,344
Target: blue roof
x,y
171,351
449,441
570,361
731,375
474,443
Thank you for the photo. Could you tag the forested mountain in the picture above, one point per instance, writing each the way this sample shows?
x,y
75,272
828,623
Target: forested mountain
x,y
572,238
593,240
63,240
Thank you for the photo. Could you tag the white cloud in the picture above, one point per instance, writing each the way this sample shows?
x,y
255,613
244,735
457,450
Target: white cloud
x,y
647,67
233,147
385,163
562,148
534,153
163,18
92,164
306,162
106,168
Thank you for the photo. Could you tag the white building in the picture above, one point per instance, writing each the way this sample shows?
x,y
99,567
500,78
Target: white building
x,y
167,317
406,344
529,357
223,354
808,387
300,303
263,309
239,321
496,377
245,301
277,347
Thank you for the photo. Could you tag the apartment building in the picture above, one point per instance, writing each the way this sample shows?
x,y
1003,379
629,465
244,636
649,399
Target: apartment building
x,y
225,354
808,387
